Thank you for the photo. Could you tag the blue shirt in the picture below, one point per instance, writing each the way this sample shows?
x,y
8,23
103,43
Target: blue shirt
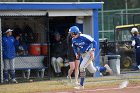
x,y
83,43
8,45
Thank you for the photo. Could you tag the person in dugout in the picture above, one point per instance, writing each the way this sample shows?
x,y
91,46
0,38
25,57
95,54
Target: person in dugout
x,y
136,43
9,53
57,54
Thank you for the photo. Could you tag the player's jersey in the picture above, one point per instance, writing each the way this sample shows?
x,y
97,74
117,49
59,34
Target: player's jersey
x,y
83,43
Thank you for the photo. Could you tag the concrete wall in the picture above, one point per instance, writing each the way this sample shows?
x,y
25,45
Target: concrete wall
x,y
87,25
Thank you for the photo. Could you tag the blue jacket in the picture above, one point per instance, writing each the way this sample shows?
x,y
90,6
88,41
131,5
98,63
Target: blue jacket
x,y
8,45
83,43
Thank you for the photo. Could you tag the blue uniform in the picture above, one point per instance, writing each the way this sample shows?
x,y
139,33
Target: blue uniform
x,y
83,43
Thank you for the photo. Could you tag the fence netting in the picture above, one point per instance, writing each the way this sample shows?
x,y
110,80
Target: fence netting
x,y
32,54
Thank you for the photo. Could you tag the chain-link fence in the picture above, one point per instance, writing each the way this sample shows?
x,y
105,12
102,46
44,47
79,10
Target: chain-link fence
x,y
114,39
34,47
30,43
110,19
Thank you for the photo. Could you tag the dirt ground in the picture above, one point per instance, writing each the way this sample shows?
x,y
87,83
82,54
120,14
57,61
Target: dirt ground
x,y
132,87
113,89
61,85
110,90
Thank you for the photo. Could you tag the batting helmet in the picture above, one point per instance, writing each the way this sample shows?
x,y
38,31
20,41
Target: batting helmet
x,y
134,30
74,29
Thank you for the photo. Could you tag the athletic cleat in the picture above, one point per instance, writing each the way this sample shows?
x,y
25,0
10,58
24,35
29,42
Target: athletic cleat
x,y
139,67
69,79
79,87
14,81
108,69
76,83
101,74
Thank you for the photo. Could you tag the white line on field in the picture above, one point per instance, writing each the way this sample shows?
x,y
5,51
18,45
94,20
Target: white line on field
x,y
93,90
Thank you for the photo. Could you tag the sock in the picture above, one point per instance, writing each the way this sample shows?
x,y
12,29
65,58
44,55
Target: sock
x,y
82,77
12,74
82,81
6,75
101,69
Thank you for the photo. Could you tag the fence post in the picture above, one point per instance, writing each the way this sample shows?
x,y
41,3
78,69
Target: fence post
x,y
1,58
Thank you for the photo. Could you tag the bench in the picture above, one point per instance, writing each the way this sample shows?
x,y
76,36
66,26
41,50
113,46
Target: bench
x,y
28,63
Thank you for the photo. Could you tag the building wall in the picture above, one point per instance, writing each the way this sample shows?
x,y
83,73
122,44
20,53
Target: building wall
x,y
87,25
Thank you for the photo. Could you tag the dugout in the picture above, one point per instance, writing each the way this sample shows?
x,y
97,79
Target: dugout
x,y
38,20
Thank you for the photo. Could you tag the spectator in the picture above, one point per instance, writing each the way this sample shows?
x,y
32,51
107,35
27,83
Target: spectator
x,y
57,54
22,49
136,42
9,53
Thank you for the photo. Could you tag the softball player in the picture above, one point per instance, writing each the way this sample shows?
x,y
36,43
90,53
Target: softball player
x,y
82,44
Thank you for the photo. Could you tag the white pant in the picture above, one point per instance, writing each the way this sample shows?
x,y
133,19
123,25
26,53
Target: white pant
x,y
57,64
9,63
86,58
